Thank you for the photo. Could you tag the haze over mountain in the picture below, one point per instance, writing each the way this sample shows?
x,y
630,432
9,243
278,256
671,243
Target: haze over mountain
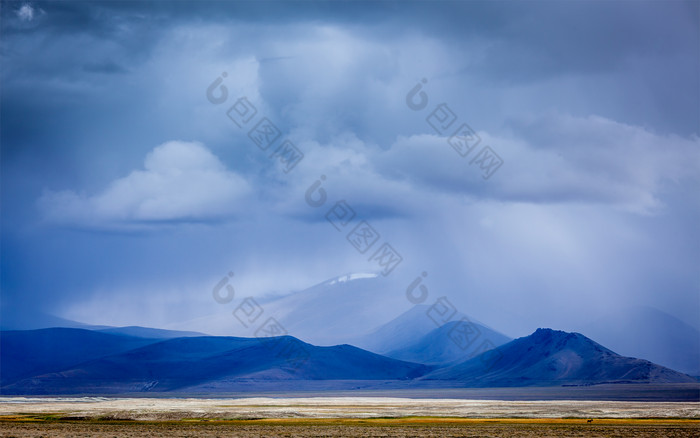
x,y
364,309
454,341
339,309
73,361
551,357
177,364
401,331
418,335
332,312
148,332
649,333
36,352
28,318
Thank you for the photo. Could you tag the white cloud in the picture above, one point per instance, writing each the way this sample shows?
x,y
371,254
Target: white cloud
x,y
592,159
181,181
555,159
26,12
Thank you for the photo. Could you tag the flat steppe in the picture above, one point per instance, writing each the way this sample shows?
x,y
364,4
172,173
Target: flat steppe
x,y
323,416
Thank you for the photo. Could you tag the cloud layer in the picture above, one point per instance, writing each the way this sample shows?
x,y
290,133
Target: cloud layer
x,y
592,107
180,182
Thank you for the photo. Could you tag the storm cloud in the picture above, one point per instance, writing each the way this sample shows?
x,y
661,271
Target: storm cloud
x,y
126,193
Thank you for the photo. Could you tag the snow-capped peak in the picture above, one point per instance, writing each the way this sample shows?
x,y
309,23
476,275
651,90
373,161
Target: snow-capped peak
x,y
349,277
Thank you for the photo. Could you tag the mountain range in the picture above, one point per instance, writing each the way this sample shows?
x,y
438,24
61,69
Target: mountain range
x,y
178,363
417,336
417,347
552,357
371,312
332,312
80,361
649,333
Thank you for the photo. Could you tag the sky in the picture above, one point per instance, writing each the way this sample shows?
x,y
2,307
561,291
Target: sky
x,y
539,161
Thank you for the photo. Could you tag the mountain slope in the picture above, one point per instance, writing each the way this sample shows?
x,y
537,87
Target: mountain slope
x,y
400,332
27,318
549,357
448,344
337,310
415,337
329,313
147,332
649,333
33,352
177,364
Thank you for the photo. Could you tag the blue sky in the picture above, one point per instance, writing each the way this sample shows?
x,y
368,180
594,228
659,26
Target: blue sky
x,y
127,194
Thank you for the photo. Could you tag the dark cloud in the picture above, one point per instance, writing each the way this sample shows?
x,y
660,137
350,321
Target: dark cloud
x,y
106,67
592,105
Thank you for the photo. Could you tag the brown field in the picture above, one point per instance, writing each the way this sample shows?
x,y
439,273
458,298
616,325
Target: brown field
x,y
403,427
174,409
341,416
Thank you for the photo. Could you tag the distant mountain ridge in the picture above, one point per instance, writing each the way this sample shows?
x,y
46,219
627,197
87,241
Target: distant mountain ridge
x,y
147,332
28,353
337,310
416,337
551,357
454,341
78,361
332,312
370,311
400,332
176,364
649,333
